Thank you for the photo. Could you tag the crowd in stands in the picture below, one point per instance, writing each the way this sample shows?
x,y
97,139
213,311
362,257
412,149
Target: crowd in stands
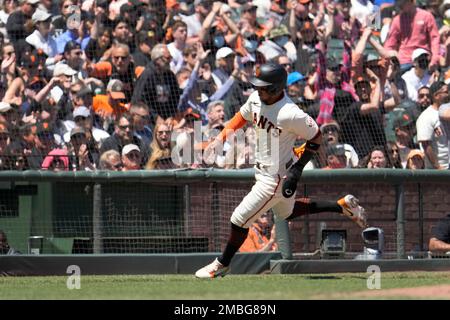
x,y
123,84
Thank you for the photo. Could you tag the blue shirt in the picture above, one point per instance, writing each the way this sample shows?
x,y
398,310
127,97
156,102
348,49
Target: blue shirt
x,y
67,36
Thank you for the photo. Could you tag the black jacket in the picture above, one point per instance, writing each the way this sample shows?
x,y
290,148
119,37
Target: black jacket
x,y
114,143
158,90
16,26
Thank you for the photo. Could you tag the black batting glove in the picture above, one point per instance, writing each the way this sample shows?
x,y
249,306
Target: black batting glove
x,y
291,181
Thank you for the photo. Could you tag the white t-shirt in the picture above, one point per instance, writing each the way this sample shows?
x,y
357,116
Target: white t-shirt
x,y
414,83
445,124
177,57
351,155
98,134
39,42
429,129
277,127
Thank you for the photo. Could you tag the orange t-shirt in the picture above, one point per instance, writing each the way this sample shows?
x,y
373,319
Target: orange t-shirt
x,y
101,102
255,240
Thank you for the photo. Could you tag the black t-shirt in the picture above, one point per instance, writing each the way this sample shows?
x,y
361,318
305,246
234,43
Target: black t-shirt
x,y
363,132
442,230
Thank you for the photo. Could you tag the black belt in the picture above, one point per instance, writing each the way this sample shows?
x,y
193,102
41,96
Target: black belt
x,y
288,164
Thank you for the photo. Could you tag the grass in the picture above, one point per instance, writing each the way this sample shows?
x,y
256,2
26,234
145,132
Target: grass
x,y
233,287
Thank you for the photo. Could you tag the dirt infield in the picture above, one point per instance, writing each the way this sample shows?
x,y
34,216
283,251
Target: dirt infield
x,y
426,292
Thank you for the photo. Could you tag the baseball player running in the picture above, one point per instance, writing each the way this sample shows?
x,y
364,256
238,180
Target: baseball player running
x,y
277,170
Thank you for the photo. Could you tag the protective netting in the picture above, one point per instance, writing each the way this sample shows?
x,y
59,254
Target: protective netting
x,y
79,79
139,85
188,217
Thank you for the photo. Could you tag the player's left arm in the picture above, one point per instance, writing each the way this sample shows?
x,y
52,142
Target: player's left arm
x,y
308,151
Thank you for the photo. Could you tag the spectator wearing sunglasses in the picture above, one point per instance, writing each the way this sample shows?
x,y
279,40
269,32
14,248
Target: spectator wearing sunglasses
x,y
330,136
423,98
123,135
83,153
131,157
120,67
82,118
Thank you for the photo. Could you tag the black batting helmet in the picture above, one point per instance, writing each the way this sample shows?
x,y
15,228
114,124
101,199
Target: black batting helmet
x,y
270,75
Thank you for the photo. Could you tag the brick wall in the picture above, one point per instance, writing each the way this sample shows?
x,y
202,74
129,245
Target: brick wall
x,y
210,216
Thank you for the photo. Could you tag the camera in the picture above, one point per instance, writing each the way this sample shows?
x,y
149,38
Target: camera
x,y
373,244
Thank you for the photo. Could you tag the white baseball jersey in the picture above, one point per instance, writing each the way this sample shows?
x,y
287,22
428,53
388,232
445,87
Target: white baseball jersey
x,y
277,127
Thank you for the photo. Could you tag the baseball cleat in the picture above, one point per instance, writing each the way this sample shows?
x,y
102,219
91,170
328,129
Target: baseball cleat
x,y
212,270
351,208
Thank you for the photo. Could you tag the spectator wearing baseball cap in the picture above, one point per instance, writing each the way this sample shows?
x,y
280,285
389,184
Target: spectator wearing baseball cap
x,y
295,87
59,87
405,131
113,103
430,133
415,160
145,41
73,56
225,62
7,113
131,157
19,24
278,43
83,152
418,76
82,118
336,158
41,38
331,137
249,17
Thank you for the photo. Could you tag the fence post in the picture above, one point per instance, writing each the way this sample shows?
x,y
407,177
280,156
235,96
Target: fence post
x,y
306,224
187,209
420,217
283,239
400,221
215,209
97,219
